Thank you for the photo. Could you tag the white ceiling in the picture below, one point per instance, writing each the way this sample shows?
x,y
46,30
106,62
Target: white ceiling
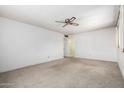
x,y
89,17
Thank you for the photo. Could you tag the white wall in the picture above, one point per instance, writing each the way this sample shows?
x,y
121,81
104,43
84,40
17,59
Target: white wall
x,y
23,44
98,44
121,40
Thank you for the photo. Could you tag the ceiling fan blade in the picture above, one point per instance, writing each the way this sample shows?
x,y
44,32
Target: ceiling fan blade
x,y
75,24
60,21
65,25
72,19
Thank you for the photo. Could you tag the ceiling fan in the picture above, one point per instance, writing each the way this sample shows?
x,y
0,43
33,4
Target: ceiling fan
x,y
69,22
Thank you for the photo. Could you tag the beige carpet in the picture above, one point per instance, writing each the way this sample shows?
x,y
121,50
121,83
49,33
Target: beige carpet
x,y
65,73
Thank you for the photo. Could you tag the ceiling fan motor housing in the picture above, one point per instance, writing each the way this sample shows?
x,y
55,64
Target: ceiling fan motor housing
x,y
67,20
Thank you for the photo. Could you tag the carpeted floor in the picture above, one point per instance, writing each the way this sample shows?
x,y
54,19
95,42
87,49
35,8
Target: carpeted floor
x,y
65,73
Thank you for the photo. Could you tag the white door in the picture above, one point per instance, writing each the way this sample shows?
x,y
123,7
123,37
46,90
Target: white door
x,y
65,47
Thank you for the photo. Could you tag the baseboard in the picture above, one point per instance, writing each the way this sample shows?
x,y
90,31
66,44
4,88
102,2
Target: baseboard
x,y
54,59
90,59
